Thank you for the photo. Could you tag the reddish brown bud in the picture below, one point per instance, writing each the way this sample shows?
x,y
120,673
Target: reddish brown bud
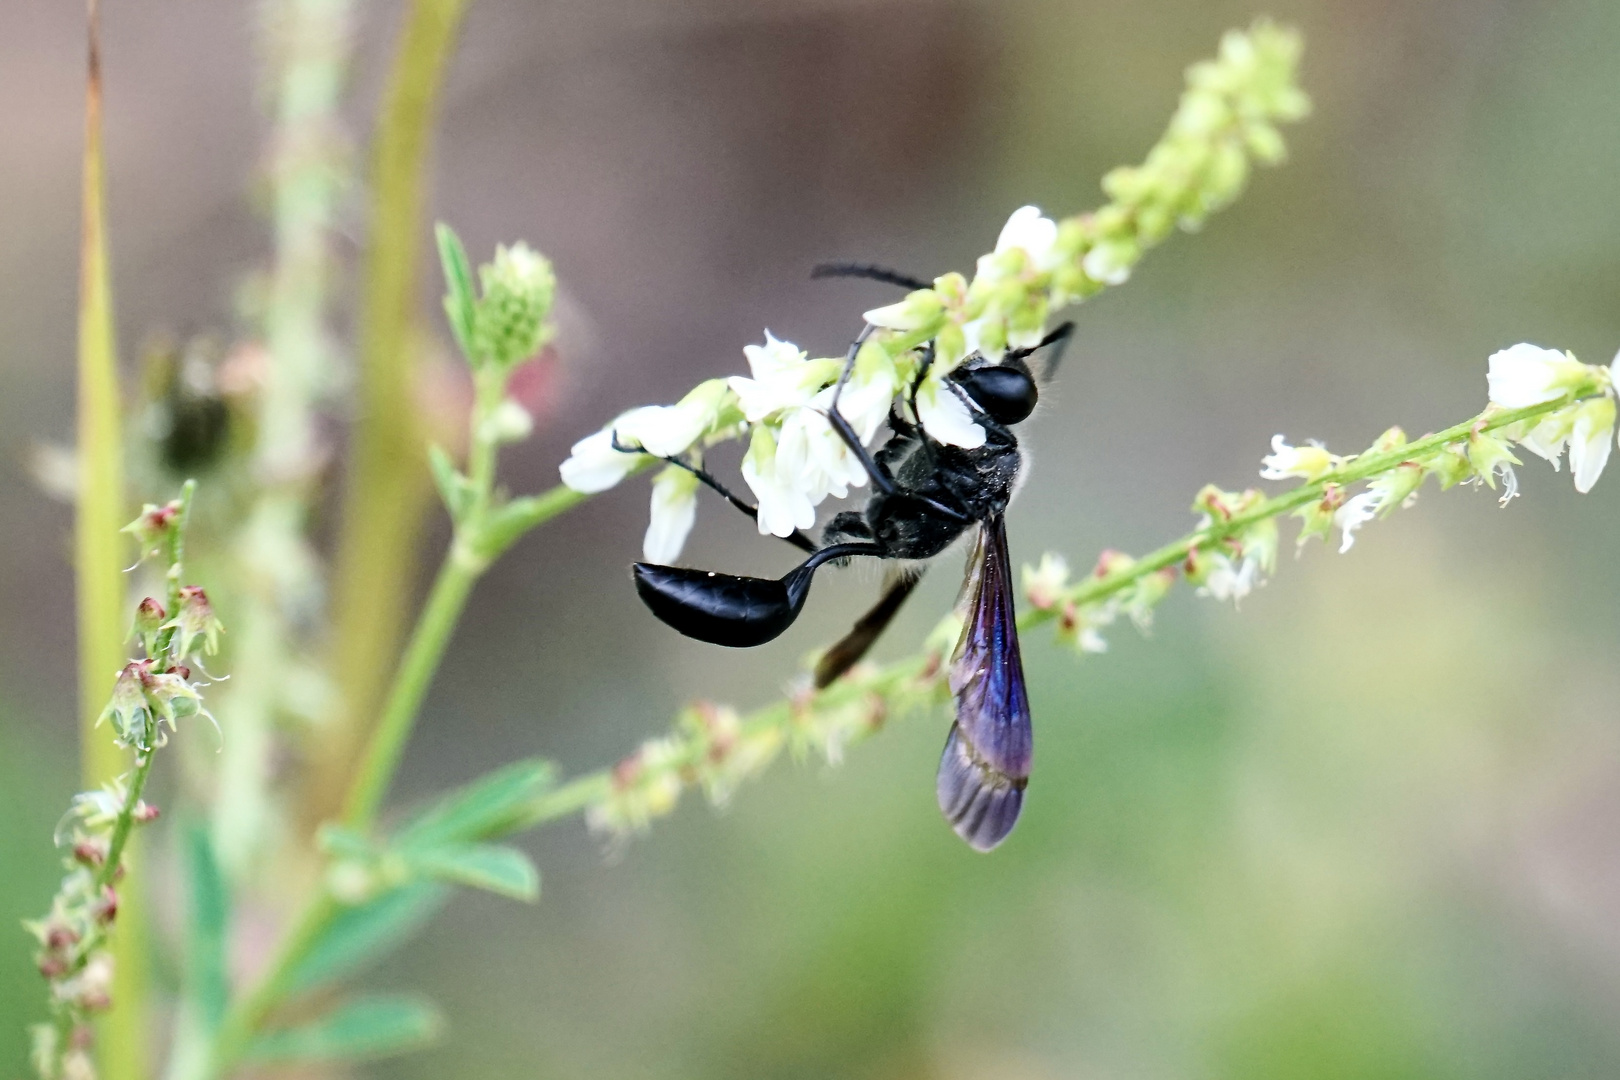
x,y
106,909
90,852
59,936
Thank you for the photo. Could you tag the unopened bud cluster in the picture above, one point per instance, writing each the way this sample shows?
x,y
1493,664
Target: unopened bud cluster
x,y
1541,400
795,459
149,694
712,748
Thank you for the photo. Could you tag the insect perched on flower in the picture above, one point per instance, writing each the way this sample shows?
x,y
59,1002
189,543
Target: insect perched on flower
x,y
945,468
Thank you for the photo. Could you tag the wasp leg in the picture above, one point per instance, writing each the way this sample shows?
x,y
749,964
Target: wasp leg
x,y
881,480
796,538
870,272
847,651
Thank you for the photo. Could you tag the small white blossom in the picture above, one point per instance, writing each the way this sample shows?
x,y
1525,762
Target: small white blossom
x,y
781,379
674,509
812,456
1547,438
1590,441
1355,513
663,430
869,393
783,504
1109,263
944,414
593,465
1034,233
1043,584
1530,375
1309,462
1226,581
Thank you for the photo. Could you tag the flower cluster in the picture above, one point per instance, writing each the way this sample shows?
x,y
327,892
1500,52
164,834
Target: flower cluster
x,y
1226,119
713,748
148,693
1581,417
1081,619
1540,399
795,459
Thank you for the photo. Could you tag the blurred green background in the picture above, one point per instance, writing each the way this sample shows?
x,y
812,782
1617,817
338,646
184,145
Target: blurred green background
x,y
1369,826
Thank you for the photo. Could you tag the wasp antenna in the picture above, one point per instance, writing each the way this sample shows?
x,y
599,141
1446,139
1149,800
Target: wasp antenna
x,y
869,272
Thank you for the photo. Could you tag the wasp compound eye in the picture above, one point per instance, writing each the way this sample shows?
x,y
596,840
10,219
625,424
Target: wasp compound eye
x,y
1006,393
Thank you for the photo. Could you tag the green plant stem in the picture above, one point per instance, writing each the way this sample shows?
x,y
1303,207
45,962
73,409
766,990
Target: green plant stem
x,y
445,603
386,491
1360,468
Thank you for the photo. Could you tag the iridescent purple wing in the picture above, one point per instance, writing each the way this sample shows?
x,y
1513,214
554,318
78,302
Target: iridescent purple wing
x,y
986,761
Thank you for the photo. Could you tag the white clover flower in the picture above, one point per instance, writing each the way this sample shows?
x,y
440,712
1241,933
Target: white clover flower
x,y
869,393
1547,438
593,465
812,456
781,379
674,509
1355,513
783,504
1225,580
1590,441
945,415
1110,263
1309,462
1530,375
1032,232
663,430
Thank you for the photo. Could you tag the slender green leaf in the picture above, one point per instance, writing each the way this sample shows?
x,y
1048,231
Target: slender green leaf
x,y
207,984
495,868
365,934
460,301
483,810
368,1027
344,843
454,488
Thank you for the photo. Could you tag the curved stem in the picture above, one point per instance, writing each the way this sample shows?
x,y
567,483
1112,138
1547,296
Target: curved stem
x,y
1361,468
386,491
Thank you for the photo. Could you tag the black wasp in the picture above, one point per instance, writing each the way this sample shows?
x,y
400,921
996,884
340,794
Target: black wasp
x,y
925,494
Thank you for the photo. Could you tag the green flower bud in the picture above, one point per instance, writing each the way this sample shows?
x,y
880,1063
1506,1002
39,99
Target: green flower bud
x,y
149,619
511,322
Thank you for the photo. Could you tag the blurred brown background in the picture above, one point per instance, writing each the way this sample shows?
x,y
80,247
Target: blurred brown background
x,y
1368,827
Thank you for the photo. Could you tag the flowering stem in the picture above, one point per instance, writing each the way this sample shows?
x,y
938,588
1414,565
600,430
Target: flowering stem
x,y
1102,586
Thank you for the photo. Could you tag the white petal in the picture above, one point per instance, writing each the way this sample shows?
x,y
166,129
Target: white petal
x,y
1354,514
663,430
946,417
1028,229
1107,263
1590,442
1547,439
674,509
593,465
1524,375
